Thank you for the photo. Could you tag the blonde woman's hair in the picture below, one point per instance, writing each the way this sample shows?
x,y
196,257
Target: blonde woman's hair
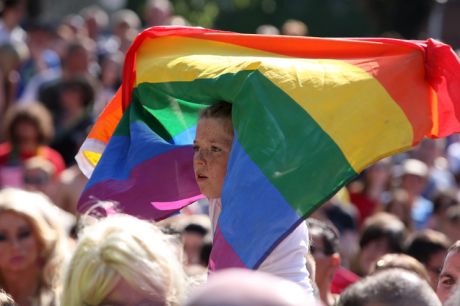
x,y
42,215
123,247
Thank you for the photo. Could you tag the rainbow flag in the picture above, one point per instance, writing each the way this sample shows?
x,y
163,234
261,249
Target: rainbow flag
x,y
308,113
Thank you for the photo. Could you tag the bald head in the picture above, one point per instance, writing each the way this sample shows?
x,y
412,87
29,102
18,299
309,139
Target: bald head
x,y
238,287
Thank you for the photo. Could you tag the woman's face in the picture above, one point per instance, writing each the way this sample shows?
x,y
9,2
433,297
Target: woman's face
x,y
26,132
212,146
18,244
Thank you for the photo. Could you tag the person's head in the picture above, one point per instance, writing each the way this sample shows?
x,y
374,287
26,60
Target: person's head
x,y
25,124
125,23
40,36
378,174
430,248
11,57
401,261
193,238
30,237
414,176
74,25
78,57
158,12
111,69
122,260
293,27
12,11
442,201
212,145
450,273
39,175
400,206
267,29
451,226
388,288
96,20
381,234
76,93
238,287
428,150
324,248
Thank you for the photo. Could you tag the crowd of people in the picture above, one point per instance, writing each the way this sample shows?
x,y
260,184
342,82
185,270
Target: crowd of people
x,y
390,237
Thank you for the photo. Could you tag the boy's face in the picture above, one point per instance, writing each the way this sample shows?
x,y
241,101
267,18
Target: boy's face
x,y
212,146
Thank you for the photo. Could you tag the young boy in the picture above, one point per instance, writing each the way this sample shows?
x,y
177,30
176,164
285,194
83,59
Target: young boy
x,y
212,146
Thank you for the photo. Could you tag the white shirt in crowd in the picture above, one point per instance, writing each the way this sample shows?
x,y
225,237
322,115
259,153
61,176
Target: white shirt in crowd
x,y
287,260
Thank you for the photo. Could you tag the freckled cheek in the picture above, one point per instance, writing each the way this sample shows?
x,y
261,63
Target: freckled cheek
x,y
219,178
195,162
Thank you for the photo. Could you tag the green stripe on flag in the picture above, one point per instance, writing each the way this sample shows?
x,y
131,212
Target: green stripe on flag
x,y
290,148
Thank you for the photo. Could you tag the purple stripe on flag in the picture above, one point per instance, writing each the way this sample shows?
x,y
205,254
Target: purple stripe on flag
x,y
222,254
155,188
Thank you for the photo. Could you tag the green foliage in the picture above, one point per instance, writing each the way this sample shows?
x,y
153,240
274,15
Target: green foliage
x,y
197,12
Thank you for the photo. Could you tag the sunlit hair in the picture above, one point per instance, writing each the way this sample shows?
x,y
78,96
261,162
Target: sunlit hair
x,y
120,246
220,110
422,245
384,226
42,215
126,16
389,287
35,113
401,261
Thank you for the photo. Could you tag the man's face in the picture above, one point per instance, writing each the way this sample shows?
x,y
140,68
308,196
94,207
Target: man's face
x,y
434,267
317,251
449,276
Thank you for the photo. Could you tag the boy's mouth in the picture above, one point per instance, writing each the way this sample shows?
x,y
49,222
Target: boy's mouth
x,y
200,176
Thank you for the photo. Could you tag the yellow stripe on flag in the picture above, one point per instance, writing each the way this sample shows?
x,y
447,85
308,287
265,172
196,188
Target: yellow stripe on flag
x,y
347,102
92,157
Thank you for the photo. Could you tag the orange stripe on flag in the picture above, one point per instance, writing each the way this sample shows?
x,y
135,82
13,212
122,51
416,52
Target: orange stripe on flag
x,y
108,120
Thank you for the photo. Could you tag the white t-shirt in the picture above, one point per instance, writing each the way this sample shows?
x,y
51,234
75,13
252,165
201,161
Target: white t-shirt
x,y
287,260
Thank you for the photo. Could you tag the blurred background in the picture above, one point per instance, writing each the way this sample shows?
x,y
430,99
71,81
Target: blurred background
x,y
411,19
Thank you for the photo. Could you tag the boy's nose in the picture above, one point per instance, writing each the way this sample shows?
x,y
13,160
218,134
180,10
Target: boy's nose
x,y
199,157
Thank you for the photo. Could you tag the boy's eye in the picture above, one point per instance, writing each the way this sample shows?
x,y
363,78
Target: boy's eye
x,y
2,237
215,149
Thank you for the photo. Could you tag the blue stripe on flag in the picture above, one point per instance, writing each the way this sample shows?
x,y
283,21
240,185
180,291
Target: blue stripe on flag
x,y
255,216
123,153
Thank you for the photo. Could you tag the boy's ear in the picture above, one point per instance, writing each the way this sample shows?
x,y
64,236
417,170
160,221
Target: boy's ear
x,y
335,260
